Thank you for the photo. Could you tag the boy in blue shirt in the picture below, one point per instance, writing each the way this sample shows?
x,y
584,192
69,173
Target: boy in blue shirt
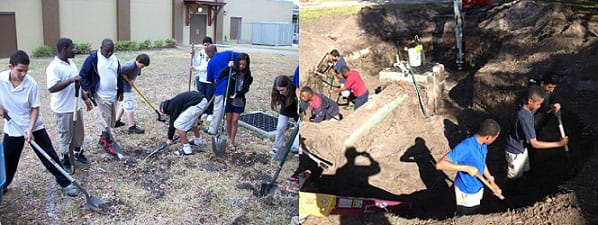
x,y
219,62
469,159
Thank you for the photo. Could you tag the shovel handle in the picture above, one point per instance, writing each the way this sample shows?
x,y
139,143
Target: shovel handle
x,y
562,130
500,196
77,90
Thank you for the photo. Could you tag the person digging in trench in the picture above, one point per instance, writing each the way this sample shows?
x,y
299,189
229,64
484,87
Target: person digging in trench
x,y
523,137
468,158
19,98
62,74
130,70
184,111
354,83
322,107
339,62
550,106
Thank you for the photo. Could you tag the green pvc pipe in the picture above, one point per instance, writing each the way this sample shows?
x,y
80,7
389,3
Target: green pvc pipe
x,y
378,117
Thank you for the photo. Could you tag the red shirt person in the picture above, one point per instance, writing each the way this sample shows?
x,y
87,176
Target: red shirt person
x,y
354,83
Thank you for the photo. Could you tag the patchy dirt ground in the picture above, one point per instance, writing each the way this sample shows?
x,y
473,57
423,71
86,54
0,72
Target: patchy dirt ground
x,y
168,189
505,46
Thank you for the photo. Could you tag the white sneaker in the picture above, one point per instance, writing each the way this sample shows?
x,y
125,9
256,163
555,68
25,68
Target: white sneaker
x,y
204,116
209,118
197,142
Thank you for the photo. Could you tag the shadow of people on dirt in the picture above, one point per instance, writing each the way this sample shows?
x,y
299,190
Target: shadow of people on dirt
x,y
351,180
420,154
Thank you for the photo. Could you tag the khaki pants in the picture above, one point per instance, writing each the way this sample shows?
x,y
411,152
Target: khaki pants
x,y
108,111
218,111
517,164
69,135
468,200
190,116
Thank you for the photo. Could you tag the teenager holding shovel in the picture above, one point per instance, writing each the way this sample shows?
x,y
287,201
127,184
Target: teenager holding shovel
x,y
239,84
100,79
284,95
184,111
468,158
62,74
550,105
523,137
130,70
219,62
19,98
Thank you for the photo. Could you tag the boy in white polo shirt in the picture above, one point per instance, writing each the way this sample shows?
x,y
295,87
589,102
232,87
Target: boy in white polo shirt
x,y
62,74
19,98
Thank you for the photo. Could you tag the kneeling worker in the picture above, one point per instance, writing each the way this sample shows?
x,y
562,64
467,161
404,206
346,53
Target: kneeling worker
x,y
184,111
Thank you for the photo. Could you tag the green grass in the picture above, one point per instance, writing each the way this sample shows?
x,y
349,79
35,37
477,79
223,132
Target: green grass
x,y
313,14
322,0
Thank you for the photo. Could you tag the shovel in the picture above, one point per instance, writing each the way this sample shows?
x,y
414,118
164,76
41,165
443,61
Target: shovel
x,y
191,66
163,146
104,127
500,196
71,154
93,202
267,186
147,101
561,128
218,141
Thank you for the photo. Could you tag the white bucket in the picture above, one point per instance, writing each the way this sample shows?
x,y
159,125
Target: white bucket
x,y
415,57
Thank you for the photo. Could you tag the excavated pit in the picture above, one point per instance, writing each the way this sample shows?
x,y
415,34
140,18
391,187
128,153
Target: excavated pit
x,y
504,46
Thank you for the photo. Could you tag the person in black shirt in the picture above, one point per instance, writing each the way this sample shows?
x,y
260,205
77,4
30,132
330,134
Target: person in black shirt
x,y
551,105
285,96
184,111
238,86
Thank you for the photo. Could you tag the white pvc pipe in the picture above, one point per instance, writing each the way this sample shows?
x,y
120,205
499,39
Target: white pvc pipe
x,y
378,117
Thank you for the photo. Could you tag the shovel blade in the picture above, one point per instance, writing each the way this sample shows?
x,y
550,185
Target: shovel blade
x,y
218,145
96,204
265,188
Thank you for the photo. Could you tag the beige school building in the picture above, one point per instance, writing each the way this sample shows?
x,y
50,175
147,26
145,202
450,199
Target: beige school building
x,y
27,24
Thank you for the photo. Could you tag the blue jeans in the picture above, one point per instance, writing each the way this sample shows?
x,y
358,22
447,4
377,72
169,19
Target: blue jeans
x,y
359,101
207,89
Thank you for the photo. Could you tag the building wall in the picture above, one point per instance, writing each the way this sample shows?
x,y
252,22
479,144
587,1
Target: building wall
x,y
151,19
28,19
88,20
257,11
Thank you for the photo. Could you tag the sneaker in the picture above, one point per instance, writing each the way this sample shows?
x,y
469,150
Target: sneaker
x,y
209,118
181,152
207,131
196,142
118,124
204,117
81,158
71,190
136,130
66,163
293,178
106,144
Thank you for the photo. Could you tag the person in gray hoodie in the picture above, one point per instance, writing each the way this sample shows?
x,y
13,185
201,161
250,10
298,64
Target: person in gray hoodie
x,y
323,108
